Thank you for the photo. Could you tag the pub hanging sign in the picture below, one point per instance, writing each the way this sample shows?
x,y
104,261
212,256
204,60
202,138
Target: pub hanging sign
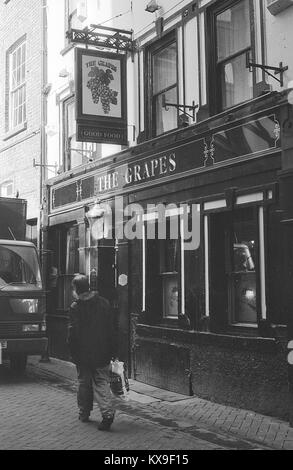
x,y
101,102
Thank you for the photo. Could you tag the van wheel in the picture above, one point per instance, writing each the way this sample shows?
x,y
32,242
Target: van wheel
x,y
18,363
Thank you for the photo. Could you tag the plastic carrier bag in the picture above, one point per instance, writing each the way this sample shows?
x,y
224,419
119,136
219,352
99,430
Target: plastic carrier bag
x,y
118,380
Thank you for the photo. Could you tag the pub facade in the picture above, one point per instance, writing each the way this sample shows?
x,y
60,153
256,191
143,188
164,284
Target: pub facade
x,y
187,229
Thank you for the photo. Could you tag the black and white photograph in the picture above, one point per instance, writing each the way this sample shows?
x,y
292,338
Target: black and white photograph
x,y
146,228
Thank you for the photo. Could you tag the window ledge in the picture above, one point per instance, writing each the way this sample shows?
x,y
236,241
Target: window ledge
x,y
17,130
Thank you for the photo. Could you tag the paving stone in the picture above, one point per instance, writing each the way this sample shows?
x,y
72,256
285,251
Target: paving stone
x,y
173,407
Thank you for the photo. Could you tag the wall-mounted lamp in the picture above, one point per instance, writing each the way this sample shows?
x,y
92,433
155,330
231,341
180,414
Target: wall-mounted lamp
x,y
96,212
152,6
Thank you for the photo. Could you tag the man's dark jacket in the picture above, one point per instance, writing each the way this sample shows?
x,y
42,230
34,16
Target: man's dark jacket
x,y
91,332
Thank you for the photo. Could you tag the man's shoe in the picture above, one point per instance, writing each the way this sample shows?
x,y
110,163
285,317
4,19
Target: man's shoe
x,y
105,424
84,417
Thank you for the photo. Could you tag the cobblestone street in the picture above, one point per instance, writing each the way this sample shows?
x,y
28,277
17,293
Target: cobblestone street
x,y
39,411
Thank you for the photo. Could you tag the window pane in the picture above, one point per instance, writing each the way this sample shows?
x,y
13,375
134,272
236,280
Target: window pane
x,y
76,157
19,114
170,250
18,75
233,30
17,98
14,61
237,84
72,250
171,295
23,64
24,102
72,5
71,119
244,265
6,189
74,22
166,120
164,69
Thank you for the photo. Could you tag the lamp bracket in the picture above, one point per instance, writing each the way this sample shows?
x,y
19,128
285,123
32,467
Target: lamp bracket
x,y
181,107
35,164
277,70
83,152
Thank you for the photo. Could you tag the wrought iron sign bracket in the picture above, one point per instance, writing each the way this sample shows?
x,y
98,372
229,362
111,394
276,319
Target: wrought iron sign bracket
x,y
181,107
103,36
277,70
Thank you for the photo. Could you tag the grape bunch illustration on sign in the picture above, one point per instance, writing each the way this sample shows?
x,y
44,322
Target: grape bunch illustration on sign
x,y
99,84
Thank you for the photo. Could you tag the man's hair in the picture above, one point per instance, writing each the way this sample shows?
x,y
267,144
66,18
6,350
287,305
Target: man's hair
x,y
81,284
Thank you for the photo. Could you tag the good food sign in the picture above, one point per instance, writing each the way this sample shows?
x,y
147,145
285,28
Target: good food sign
x,y
101,97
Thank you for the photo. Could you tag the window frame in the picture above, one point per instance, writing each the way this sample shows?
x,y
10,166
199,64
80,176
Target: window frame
x,y
64,239
13,90
5,185
70,16
158,316
257,199
215,67
150,111
66,144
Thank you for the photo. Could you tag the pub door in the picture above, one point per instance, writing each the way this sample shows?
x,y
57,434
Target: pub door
x,y
103,270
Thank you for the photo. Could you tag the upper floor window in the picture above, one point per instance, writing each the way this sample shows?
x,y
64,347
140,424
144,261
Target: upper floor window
x,y
17,85
231,39
6,189
76,153
162,74
76,11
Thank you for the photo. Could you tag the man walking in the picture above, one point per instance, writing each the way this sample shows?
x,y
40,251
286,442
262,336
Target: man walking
x,y
90,340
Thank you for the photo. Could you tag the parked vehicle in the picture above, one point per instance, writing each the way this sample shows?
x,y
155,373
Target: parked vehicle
x,y
22,296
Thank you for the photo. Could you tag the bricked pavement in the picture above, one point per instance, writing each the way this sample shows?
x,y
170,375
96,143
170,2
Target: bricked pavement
x,y
39,412
42,415
192,414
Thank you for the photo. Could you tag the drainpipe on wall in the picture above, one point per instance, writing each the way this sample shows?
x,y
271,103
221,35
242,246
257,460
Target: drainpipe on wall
x,y
43,154
43,119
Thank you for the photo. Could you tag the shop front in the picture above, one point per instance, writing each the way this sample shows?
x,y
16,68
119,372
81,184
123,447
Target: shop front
x,y
190,252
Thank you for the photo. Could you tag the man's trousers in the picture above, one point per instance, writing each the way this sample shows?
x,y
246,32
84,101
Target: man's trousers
x,y
94,384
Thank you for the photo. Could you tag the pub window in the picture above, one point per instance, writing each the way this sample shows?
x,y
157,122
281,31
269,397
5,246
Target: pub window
x,y
231,39
235,268
169,251
163,265
242,271
76,153
64,263
162,75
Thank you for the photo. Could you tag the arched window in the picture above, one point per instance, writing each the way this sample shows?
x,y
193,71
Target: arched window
x,y
7,189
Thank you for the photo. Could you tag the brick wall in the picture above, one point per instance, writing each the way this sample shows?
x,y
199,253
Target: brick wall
x,y
19,18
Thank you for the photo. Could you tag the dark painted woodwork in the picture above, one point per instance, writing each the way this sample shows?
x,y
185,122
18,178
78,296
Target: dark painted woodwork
x,y
249,138
163,365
